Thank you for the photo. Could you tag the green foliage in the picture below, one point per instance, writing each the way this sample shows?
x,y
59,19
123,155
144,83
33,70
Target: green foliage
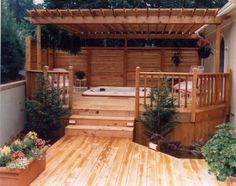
x,y
14,30
220,152
56,38
44,110
11,51
158,117
132,4
4,160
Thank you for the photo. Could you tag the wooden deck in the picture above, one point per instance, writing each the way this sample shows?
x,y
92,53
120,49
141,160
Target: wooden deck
x,y
117,161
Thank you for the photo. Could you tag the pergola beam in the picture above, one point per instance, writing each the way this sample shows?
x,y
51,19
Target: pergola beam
x,y
137,36
125,20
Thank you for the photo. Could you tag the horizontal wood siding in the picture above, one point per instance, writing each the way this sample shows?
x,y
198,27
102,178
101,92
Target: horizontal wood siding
x,y
64,60
107,67
201,130
189,58
33,55
46,53
147,60
107,64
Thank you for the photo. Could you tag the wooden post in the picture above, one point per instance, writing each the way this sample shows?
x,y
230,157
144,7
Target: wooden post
x,y
217,48
45,73
27,64
39,57
137,85
71,85
89,57
28,84
27,53
194,95
125,64
228,91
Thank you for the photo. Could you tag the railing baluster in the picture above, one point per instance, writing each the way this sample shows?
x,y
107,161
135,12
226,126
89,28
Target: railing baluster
x,y
151,89
137,91
58,80
208,90
172,86
179,91
205,91
64,88
212,89
145,89
216,88
186,91
222,88
200,90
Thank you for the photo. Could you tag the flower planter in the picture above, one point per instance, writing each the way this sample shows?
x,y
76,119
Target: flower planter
x,y
232,180
22,177
153,146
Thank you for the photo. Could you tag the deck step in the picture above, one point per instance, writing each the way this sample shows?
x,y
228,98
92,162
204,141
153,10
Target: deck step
x,y
101,120
102,112
99,131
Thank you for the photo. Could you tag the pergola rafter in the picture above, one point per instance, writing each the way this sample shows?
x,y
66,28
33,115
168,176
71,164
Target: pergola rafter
x,y
172,21
151,23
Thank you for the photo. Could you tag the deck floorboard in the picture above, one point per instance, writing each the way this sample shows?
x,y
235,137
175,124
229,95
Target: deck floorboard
x,y
117,161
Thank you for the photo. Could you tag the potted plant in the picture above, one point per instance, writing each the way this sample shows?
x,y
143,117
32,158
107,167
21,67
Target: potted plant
x,y
220,153
80,75
23,160
176,58
204,47
158,116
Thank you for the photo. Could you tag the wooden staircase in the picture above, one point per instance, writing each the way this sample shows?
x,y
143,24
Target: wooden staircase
x,y
101,122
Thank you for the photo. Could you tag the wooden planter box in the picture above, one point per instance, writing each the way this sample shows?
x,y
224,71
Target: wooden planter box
x,y
232,180
22,177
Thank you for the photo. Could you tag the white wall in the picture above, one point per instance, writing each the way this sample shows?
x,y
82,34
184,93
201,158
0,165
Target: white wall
x,y
229,34
12,104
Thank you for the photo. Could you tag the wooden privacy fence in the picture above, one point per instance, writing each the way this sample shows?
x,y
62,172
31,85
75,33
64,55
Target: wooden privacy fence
x,y
190,91
61,80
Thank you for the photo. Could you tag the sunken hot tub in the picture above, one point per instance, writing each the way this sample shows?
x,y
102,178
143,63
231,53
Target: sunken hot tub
x,y
114,91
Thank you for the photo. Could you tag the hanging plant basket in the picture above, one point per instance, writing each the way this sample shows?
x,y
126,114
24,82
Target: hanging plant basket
x,y
204,52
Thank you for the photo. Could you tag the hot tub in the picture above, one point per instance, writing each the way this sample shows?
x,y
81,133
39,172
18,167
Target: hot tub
x,y
115,91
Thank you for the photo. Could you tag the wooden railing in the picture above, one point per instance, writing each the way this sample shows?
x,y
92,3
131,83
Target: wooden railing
x,y
63,81
189,90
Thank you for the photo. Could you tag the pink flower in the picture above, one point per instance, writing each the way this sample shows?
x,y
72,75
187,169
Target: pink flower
x,y
40,142
232,132
202,42
17,155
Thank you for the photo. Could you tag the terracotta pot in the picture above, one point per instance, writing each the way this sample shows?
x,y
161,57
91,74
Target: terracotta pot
x,y
204,52
22,177
232,180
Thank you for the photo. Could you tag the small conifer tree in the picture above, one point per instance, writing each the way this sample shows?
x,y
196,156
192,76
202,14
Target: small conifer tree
x,y
158,116
44,110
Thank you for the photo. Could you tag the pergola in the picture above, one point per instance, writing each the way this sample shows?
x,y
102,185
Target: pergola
x,y
152,23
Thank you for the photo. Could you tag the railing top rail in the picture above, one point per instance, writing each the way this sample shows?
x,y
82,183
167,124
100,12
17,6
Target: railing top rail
x,y
49,71
35,71
225,73
166,73
58,72
180,73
